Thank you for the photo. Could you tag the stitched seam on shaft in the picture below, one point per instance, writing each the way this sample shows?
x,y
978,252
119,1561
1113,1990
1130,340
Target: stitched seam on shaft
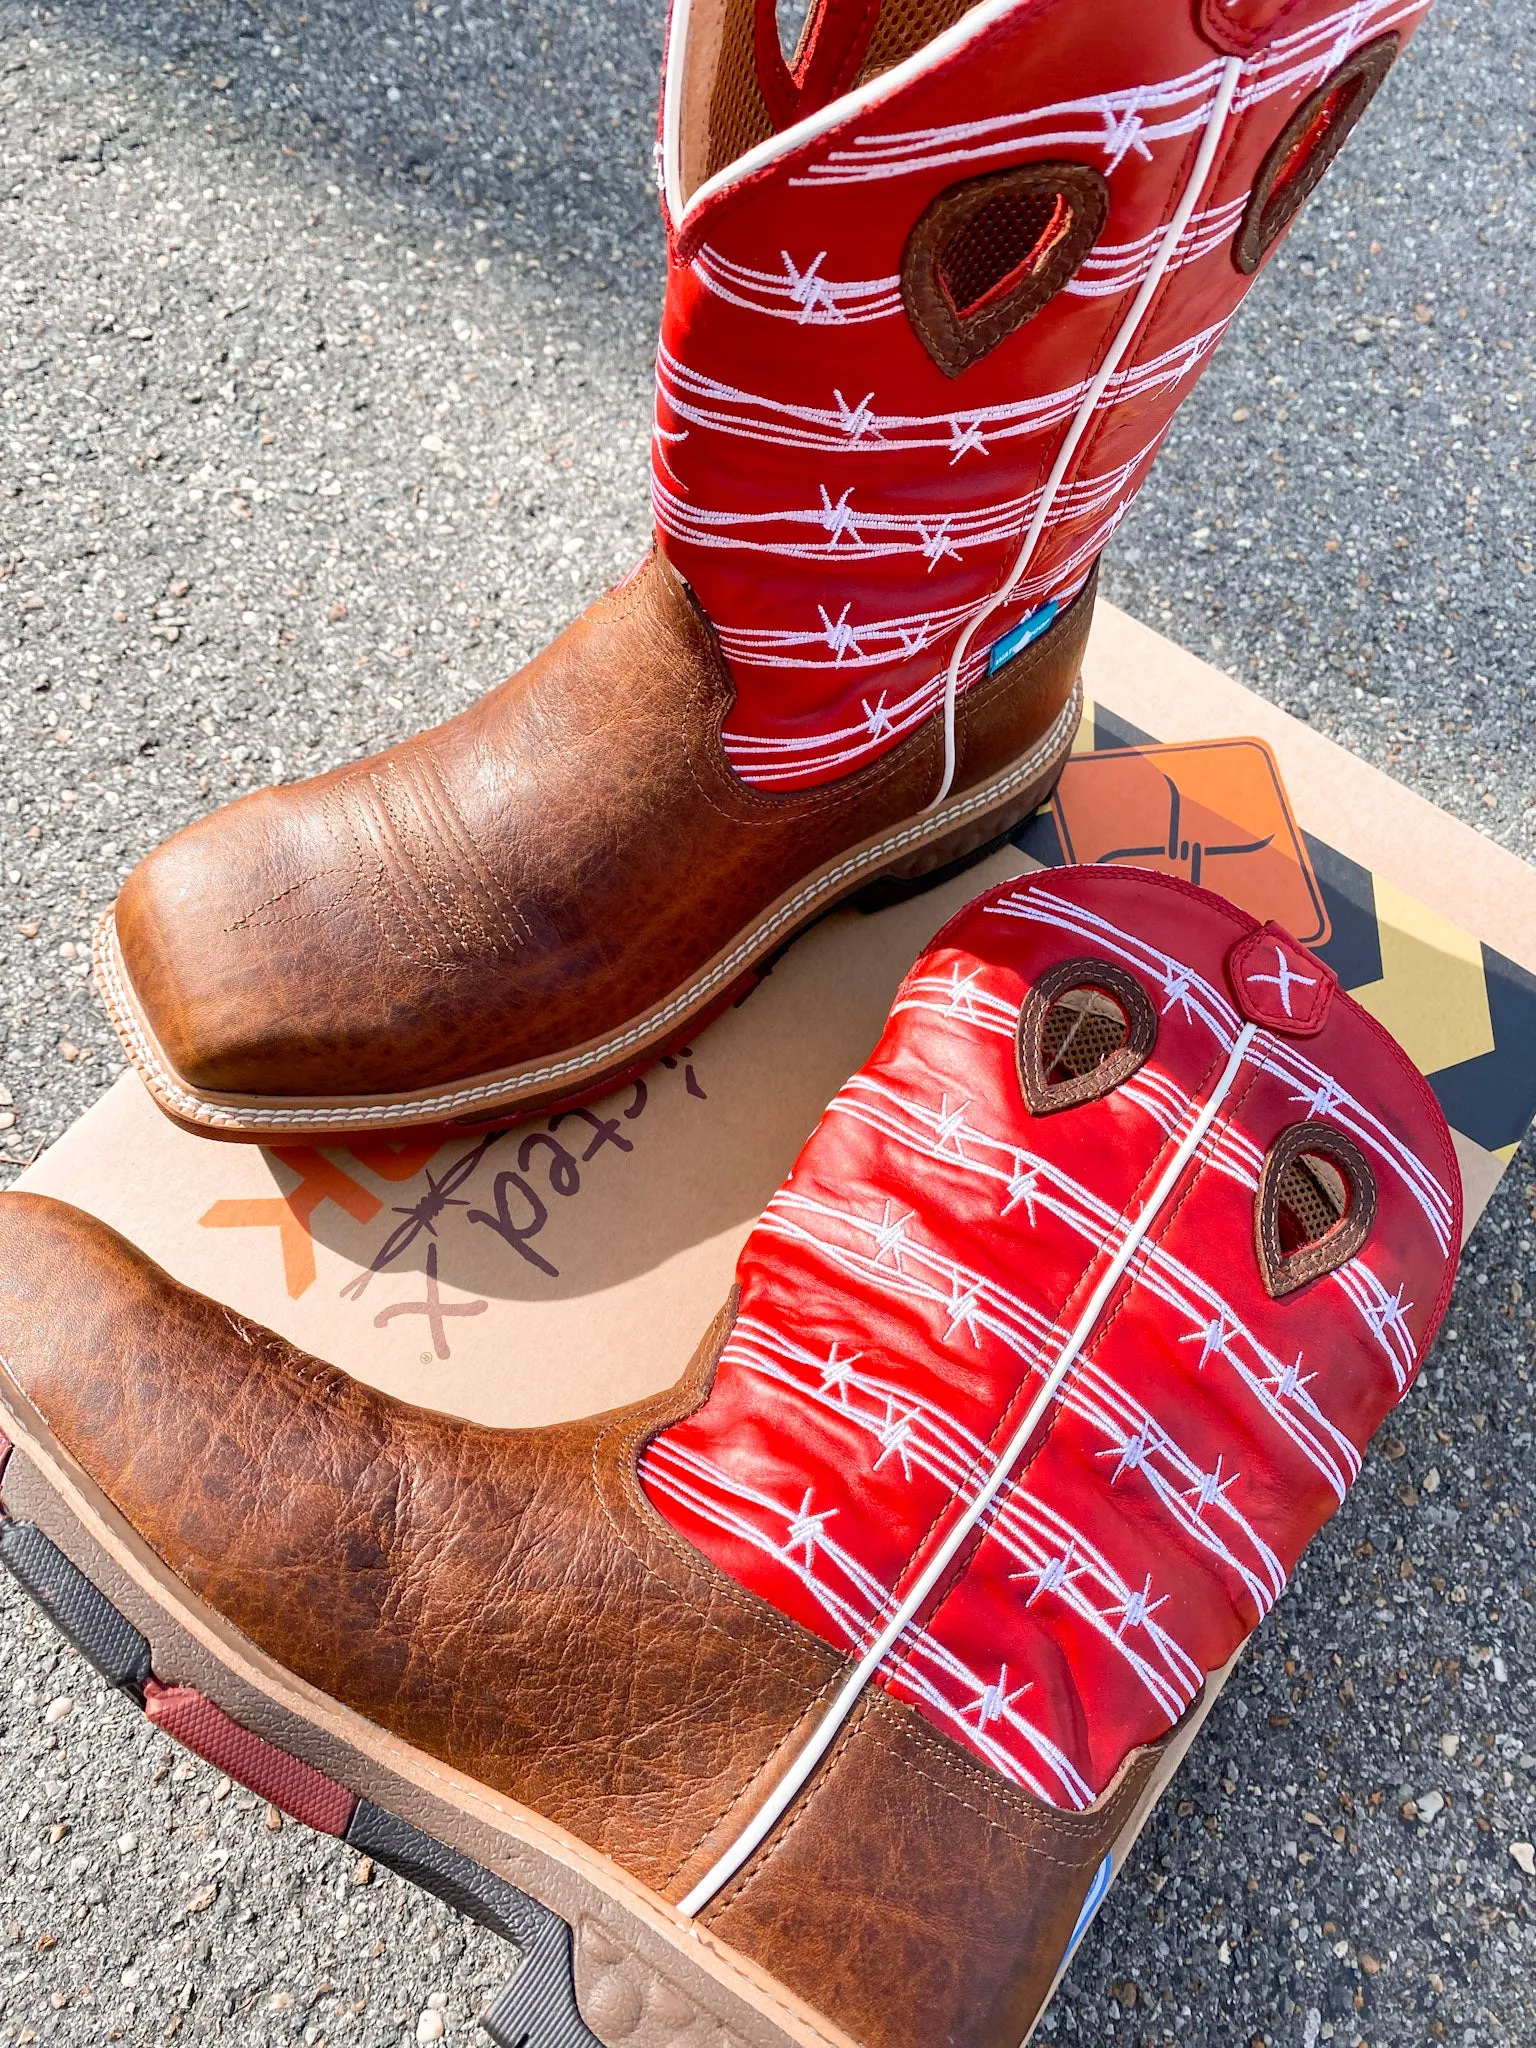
x,y
740,1793
849,789
1006,1422
1087,418
1197,1167
865,1672
758,1863
721,1587
930,825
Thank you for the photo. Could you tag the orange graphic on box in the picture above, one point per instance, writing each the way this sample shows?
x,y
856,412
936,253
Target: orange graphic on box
x,y
319,1181
1212,811
392,1157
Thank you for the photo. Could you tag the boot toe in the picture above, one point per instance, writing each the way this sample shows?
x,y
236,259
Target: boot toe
x,y
214,954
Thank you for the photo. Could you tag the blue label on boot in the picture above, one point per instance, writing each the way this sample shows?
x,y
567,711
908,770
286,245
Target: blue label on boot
x,y
1091,1905
1018,637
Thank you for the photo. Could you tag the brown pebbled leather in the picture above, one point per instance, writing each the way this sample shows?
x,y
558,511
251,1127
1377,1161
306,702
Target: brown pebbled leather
x,y
506,1600
534,874
510,1602
923,1902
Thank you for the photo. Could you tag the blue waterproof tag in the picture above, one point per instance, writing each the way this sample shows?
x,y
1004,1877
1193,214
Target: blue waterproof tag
x,y
1091,1904
1019,636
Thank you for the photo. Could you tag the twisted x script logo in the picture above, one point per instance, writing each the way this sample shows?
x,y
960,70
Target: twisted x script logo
x,y
509,1182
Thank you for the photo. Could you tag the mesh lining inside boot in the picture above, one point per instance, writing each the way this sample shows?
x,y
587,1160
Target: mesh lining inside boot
x,y
1312,1199
905,26
737,116
1081,1029
1010,237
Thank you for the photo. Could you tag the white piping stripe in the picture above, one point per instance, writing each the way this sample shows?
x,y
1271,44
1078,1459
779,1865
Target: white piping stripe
x,y
827,1729
1215,128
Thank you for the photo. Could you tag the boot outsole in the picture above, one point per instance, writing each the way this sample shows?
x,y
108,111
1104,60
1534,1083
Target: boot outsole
x,y
535,2008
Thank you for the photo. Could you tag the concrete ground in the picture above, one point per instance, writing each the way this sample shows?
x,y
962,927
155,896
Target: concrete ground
x,y
324,387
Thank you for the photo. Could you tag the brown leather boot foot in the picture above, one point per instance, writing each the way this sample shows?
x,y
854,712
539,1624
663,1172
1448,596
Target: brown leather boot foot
x,y
526,904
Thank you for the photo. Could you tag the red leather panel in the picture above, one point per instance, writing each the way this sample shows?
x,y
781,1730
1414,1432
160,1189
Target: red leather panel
x,y
916,1276
841,507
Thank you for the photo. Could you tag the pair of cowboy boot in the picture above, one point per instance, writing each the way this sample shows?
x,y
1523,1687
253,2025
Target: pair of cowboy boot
x,y
823,1695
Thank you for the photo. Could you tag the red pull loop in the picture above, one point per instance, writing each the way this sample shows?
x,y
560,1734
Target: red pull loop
x,y
780,93
833,48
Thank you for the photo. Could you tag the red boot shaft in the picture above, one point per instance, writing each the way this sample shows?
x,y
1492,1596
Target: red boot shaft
x,y
922,344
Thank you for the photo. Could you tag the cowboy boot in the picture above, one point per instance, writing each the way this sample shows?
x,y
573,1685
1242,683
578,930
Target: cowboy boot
x,y
831,1686
933,296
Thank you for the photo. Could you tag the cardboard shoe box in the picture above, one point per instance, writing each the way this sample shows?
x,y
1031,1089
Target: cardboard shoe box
x,y
571,1263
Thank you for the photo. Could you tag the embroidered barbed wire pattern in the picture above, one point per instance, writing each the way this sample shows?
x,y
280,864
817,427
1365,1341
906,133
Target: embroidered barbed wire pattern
x,y
1113,125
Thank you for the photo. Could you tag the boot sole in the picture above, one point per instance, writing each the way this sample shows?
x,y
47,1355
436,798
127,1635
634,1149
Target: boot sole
x,y
886,869
598,1959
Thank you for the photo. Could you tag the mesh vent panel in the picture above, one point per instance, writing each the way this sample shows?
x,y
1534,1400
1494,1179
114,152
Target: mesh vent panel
x,y
1002,244
738,113
1082,1028
1312,1198
1304,149
904,27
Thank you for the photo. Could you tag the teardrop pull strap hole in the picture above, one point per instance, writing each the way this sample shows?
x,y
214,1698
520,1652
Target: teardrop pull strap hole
x,y
1084,1028
987,254
1305,147
1315,1206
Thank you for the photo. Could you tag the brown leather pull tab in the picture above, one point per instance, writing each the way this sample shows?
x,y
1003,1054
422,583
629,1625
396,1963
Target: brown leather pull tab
x,y
987,254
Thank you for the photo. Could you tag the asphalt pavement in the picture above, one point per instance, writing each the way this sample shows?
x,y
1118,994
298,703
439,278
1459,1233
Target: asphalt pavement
x,y
325,345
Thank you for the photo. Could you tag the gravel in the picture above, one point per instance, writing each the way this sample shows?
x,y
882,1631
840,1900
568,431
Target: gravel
x,y
324,385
